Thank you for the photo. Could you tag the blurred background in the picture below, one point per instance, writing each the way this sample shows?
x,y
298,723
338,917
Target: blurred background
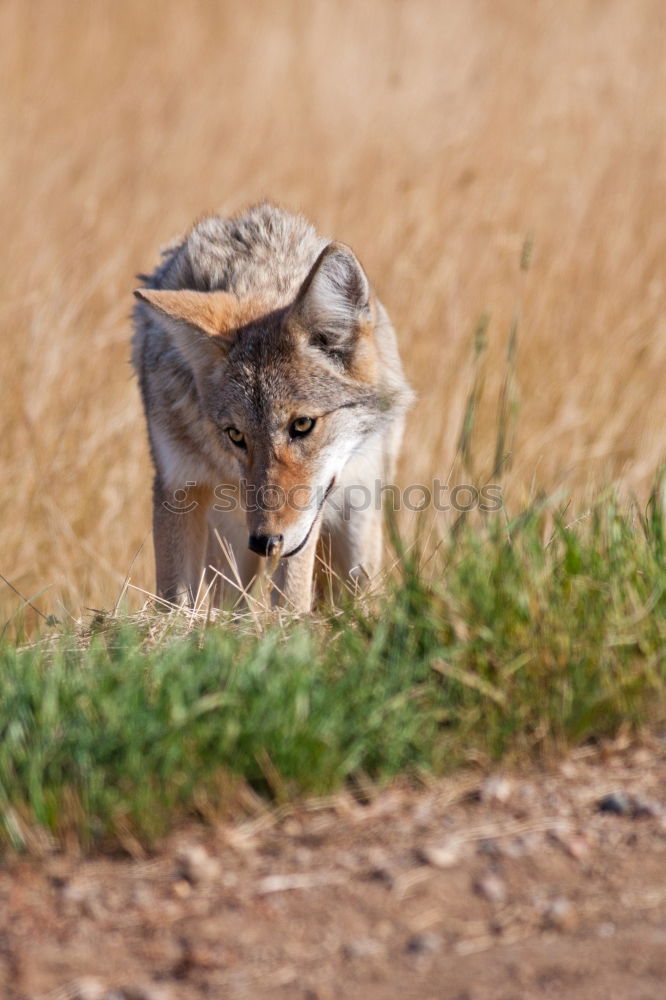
x,y
433,137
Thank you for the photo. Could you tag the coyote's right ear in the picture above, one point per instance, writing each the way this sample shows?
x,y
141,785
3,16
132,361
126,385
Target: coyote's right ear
x,y
333,301
200,323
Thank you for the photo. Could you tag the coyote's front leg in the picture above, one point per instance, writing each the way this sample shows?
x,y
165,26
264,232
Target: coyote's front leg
x,y
293,579
180,538
353,549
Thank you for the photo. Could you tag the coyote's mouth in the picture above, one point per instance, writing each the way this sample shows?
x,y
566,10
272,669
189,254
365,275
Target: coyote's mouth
x,y
287,555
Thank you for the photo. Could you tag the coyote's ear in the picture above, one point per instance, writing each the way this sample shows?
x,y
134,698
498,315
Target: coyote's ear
x,y
333,301
200,323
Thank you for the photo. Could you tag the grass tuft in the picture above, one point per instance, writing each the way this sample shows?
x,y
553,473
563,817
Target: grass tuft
x,y
521,636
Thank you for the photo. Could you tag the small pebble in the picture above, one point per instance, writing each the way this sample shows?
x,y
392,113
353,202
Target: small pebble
x,y
576,845
620,804
383,875
496,789
561,915
489,847
194,863
492,888
421,944
443,855
181,888
646,808
616,802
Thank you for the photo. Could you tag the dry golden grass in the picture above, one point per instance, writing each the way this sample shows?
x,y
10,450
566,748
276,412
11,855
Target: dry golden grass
x,y
430,136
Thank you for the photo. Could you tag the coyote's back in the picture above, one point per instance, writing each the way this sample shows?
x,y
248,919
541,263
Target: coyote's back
x,y
272,388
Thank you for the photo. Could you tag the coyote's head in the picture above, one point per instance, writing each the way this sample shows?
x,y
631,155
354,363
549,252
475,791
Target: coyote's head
x,y
289,392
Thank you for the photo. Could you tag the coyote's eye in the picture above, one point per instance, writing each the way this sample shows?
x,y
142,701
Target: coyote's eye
x,y
236,436
302,426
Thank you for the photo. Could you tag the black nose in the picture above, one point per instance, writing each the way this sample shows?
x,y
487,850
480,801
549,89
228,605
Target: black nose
x,y
265,545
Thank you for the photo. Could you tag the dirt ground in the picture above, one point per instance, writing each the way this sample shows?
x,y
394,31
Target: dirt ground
x,y
473,888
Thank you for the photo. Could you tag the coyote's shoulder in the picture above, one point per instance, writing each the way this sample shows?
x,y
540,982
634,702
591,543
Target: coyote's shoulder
x,y
265,359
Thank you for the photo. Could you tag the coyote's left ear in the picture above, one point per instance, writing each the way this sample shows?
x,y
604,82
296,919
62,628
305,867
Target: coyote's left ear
x,y
333,301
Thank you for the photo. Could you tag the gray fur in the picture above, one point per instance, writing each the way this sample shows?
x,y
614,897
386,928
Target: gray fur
x,y
320,346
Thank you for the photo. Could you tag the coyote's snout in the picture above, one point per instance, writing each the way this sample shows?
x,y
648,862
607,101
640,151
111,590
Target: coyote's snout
x,y
269,373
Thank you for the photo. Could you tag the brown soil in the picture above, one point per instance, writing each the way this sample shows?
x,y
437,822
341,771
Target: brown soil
x,y
508,888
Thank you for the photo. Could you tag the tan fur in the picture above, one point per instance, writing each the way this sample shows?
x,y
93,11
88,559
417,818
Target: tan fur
x,y
215,313
249,324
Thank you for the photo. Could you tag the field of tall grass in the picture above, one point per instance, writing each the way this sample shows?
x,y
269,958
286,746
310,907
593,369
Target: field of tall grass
x,y
432,137
500,169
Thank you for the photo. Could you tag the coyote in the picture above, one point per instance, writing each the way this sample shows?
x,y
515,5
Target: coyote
x,y
269,369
